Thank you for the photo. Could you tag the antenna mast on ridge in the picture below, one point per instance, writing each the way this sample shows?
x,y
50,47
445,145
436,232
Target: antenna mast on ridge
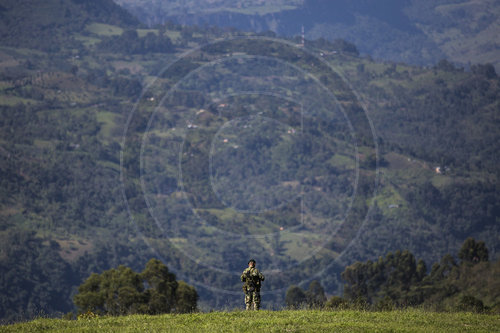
x,y
303,36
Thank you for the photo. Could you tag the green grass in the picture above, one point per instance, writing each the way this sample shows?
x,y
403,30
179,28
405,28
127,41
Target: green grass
x,y
109,165
144,32
5,85
343,162
43,143
173,35
388,196
107,121
274,321
14,100
87,41
102,29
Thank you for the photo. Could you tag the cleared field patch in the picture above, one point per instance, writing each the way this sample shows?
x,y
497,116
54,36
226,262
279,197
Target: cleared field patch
x,y
173,34
87,41
14,100
71,250
102,29
108,122
144,32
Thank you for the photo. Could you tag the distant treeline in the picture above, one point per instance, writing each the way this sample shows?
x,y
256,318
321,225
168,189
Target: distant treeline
x,y
399,281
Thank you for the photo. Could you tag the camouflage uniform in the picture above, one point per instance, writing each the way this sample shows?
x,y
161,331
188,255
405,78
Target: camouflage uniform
x,y
252,279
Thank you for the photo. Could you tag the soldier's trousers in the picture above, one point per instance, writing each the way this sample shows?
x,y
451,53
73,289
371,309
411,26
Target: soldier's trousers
x,y
252,298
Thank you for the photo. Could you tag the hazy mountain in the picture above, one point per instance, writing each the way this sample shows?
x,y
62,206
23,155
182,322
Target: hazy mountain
x,y
412,31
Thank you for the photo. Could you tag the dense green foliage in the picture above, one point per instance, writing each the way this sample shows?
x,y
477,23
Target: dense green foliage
x,y
295,297
398,280
473,252
275,321
62,119
35,279
392,276
40,274
129,42
313,298
122,291
44,25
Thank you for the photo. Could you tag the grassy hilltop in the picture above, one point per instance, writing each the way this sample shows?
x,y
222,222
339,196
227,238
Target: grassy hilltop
x,y
275,321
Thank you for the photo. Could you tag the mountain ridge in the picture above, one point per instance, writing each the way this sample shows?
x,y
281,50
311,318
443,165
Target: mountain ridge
x,y
419,32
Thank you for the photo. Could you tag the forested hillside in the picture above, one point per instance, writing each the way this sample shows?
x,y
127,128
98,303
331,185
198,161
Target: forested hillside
x,y
411,31
48,24
306,158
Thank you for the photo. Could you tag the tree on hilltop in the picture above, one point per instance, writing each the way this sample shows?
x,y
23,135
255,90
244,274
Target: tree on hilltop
x,y
121,291
313,297
472,251
295,297
397,280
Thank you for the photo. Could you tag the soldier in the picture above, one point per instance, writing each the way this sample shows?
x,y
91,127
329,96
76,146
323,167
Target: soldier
x,y
252,279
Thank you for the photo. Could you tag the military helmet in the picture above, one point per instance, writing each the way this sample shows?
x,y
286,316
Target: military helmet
x,y
252,260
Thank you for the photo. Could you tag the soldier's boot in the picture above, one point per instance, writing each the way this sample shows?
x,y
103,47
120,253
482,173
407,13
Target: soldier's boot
x,y
256,306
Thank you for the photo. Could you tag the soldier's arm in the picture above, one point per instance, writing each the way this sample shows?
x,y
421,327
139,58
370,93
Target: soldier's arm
x,y
244,275
258,274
